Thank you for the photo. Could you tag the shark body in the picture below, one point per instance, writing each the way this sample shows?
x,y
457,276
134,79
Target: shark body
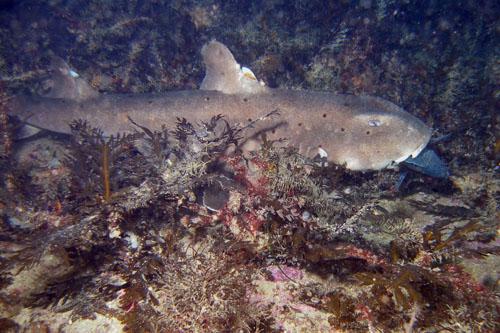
x,y
362,132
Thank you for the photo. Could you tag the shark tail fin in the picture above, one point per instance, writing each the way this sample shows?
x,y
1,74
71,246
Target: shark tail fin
x,y
224,74
66,83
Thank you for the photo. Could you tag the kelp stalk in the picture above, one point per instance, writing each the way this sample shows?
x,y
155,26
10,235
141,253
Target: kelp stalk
x,y
105,172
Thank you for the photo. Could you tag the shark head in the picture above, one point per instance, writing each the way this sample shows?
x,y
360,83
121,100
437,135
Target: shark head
x,y
374,134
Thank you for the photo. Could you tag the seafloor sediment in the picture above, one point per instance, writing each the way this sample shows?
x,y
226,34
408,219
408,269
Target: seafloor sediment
x,y
96,236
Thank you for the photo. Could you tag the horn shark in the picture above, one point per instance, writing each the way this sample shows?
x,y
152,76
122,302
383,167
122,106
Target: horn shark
x,y
360,132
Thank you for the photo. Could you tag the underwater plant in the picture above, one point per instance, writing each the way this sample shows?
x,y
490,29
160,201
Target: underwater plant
x,y
101,165
106,250
5,146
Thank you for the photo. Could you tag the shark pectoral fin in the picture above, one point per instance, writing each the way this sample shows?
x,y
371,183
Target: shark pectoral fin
x,y
26,131
224,74
428,163
67,84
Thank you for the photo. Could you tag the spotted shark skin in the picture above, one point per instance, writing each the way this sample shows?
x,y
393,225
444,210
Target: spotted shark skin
x,y
361,132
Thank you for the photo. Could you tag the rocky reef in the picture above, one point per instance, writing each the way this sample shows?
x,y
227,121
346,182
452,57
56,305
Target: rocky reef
x,y
165,232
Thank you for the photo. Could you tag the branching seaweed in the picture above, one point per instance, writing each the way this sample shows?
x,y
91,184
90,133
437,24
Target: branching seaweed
x,y
101,165
434,239
6,144
292,176
113,239
404,293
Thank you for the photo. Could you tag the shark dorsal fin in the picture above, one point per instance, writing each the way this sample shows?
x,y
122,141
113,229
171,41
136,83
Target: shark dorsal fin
x,y
66,83
224,74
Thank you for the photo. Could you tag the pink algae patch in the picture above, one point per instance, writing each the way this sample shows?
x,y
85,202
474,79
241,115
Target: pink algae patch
x,y
285,273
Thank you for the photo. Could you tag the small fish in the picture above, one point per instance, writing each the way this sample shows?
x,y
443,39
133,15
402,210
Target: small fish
x,y
361,132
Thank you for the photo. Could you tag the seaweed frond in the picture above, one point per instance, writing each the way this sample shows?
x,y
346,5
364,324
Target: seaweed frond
x,y
213,277
7,129
98,163
435,241
405,294
463,319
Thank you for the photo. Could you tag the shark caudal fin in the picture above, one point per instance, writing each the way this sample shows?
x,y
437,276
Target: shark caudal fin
x,y
224,74
67,84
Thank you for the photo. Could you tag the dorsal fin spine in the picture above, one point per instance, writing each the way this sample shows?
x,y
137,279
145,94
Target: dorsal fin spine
x,y
224,74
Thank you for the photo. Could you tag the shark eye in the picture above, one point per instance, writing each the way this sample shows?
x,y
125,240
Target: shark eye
x,y
374,123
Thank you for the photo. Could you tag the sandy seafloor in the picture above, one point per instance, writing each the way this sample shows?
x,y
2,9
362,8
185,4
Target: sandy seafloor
x,y
297,247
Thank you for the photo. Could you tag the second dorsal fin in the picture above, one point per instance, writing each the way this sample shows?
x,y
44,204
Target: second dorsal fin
x,y
224,74
66,83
